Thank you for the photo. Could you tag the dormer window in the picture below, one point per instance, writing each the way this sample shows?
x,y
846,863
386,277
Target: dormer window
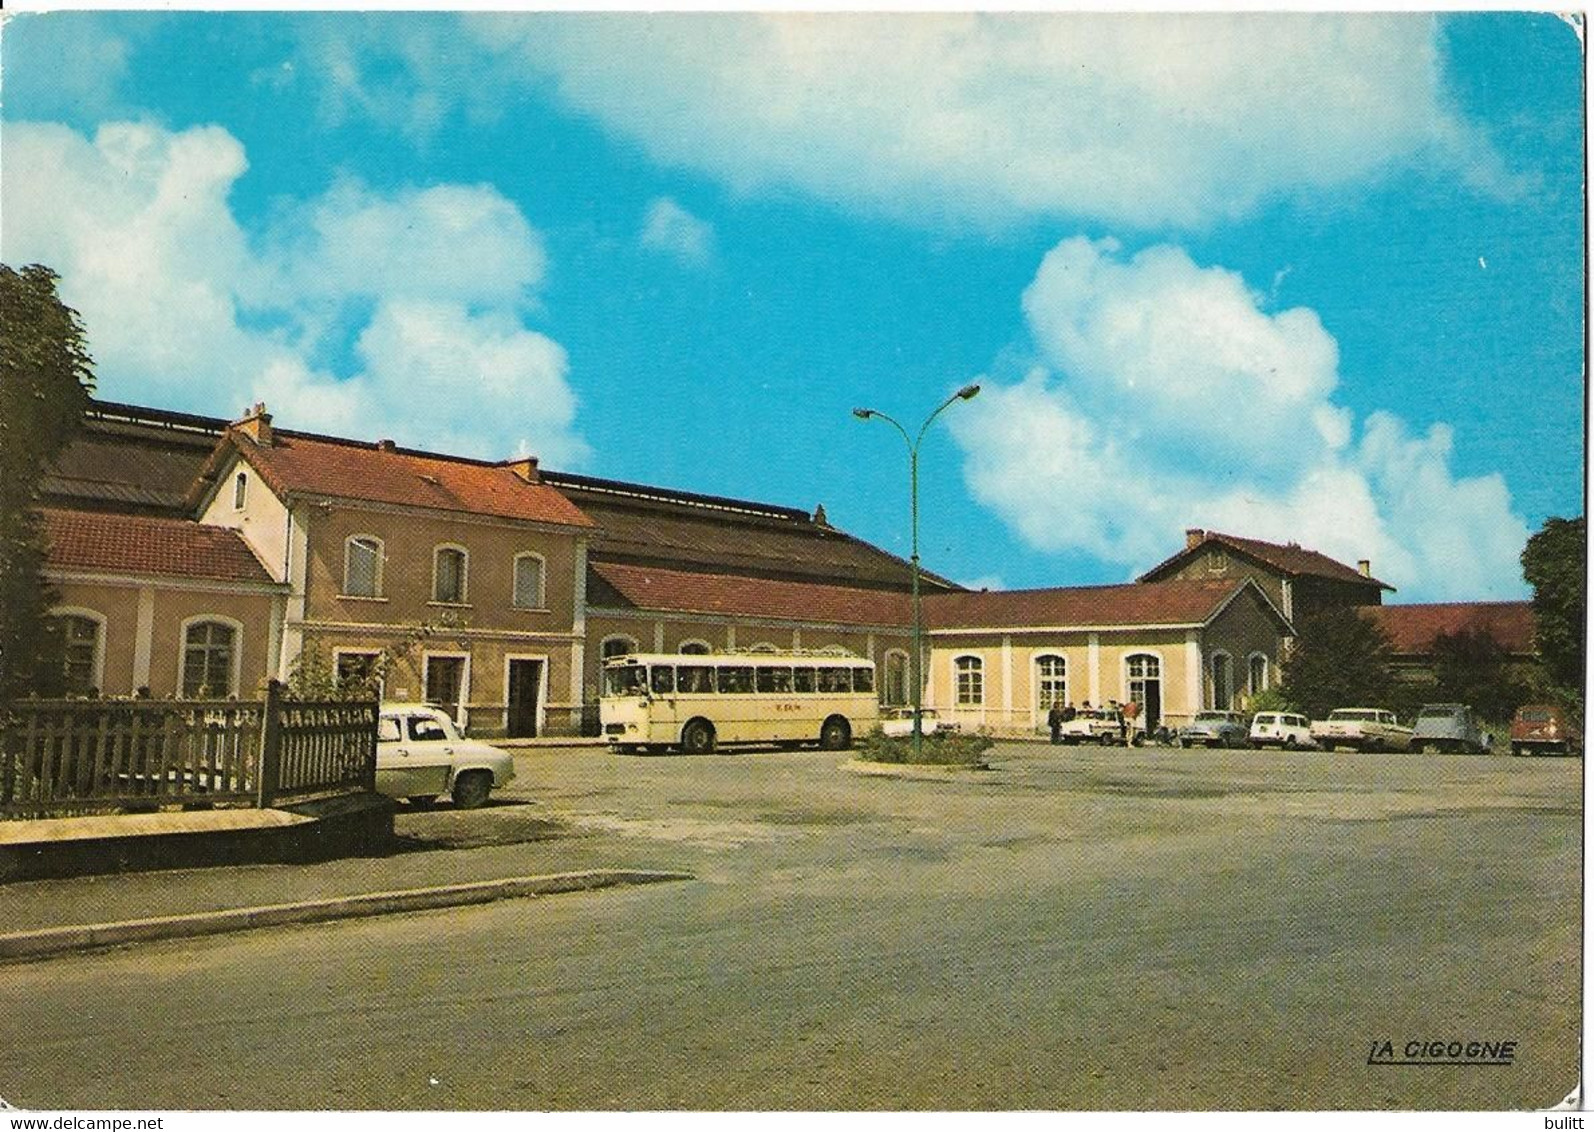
x,y
240,490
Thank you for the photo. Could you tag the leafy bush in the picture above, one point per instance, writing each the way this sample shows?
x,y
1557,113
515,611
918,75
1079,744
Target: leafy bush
x,y
941,748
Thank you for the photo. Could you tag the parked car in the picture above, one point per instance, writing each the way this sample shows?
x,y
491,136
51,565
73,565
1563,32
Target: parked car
x,y
1361,729
1095,725
898,722
1215,729
1281,729
1543,729
420,755
1448,729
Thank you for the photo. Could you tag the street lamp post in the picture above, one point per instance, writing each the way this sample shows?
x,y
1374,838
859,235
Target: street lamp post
x,y
915,670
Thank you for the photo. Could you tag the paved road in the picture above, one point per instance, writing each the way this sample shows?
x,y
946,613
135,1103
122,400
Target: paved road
x,y
1078,928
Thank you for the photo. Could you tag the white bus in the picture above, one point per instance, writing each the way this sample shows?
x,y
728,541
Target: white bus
x,y
652,701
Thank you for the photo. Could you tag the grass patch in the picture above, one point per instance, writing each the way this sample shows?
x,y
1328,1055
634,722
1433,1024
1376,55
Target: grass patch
x,y
941,748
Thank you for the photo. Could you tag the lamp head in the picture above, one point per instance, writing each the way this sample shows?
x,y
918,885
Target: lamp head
x,y
863,414
968,391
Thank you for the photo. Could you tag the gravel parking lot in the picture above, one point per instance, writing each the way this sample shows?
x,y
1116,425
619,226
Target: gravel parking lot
x,y
1095,926
1077,928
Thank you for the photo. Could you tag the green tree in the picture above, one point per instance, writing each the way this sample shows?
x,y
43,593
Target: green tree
x,y
46,377
1339,659
1471,667
1553,564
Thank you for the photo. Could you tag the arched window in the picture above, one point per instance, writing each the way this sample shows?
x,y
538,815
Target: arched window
x,y
448,575
1222,681
362,566
617,645
970,678
529,573
210,659
695,648
83,650
895,688
1051,681
240,491
1256,673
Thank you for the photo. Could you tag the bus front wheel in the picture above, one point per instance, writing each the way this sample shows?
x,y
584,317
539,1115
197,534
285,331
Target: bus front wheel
x,y
697,737
835,735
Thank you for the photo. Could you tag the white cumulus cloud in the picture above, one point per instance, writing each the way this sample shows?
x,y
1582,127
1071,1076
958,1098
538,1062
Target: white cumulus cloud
x,y
185,309
1144,119
669,228
1169,397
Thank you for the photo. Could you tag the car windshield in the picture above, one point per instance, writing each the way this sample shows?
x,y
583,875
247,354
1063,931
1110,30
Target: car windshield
x,y
1354,715
1211,717
1535,717
626,680
1438,713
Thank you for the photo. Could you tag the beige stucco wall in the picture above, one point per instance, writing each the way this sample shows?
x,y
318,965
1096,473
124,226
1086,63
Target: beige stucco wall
x,y
262,521
1010,668
170,607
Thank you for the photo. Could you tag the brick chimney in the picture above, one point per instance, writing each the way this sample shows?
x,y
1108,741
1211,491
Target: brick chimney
x,y
526,468
1365,567
819,516
1194,537
255,424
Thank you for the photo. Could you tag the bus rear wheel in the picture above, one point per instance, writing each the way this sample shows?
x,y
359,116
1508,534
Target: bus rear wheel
x,y
697,737
836,734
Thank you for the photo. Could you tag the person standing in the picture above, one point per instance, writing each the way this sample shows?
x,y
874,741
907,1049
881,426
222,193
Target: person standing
x,y
1054,718
1131,713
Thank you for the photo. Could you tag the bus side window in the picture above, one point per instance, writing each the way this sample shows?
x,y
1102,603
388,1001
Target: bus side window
x,y
804,681
663,679
863,679
835,680
735,679
774,679
697,678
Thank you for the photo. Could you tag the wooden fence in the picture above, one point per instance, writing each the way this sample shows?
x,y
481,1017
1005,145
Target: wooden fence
x,y
70,757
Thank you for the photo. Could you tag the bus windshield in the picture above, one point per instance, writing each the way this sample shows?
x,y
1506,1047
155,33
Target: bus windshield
x,y
629,680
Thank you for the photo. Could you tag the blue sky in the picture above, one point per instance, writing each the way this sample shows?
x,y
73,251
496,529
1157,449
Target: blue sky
x,y
1310,277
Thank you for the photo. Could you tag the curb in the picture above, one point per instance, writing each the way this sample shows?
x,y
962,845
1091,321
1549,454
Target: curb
x,y
78,937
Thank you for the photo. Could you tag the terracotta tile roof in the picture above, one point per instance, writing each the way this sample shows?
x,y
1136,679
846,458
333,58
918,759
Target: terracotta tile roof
x,y
1136,603
296,464
682,591
139,544
1412,628
1288,558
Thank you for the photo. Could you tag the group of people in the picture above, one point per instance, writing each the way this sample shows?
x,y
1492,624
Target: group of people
x,y
1062,713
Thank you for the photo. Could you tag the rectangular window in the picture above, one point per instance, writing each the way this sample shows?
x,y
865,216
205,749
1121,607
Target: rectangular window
x,y
445,681
803,680
774,679
663,679
697,679
362,568
863,679
835,680
735,680
240,491
80,640
207,660
357,671
970,682
528,582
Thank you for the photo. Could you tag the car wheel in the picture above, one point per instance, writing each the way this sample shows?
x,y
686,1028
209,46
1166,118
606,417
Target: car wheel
x,y
835,735
421,802
698,737
1289,742
471,789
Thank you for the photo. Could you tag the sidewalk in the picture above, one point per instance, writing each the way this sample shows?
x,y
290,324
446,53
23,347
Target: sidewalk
x,y
42,905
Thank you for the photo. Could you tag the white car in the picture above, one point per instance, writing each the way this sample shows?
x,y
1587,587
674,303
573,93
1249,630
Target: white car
x,y
421,755
898,722
1281,729
1362,729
